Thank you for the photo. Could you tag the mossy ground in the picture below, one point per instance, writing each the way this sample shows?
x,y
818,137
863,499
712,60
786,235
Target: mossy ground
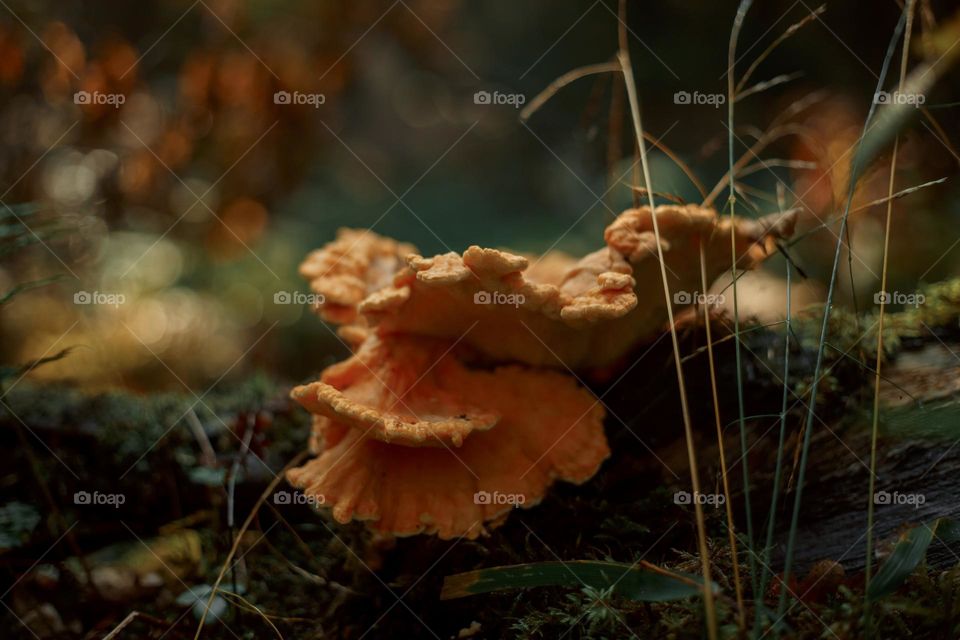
x,y
312,577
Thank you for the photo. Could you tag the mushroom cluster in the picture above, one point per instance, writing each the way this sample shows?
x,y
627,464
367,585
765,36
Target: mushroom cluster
x,y
458,403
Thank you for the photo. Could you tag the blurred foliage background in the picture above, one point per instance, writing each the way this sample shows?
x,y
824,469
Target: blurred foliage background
x,y
198,196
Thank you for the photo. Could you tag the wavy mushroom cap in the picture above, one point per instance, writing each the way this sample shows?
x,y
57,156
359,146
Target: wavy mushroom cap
x,y
558,312
411,439
683,228
548,428
401,391
347,270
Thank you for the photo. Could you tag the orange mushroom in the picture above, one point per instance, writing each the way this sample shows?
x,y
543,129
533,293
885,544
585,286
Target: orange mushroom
x,y
400,447
575,314
351,267
401,391
413,436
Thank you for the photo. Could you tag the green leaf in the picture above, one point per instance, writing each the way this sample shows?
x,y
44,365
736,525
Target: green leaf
x,y
642,582
907,555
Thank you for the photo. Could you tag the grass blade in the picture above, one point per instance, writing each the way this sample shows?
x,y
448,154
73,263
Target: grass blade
x,y
731,530
875,426
908,554
623,55
825,326
741,411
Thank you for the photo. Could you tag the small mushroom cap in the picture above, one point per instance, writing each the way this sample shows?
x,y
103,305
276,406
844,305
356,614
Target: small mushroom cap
x,y
401,391
549,428
347,270
683,228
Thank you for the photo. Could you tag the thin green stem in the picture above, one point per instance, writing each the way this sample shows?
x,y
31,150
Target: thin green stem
x,y
778,471
824,328
731,531
883,287
731,62
623,55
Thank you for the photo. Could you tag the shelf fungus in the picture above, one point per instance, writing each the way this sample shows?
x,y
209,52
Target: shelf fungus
x,y
458,403
413,441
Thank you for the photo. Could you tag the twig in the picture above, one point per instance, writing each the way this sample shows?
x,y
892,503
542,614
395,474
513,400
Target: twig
x,y
642,192
824,329
232,484
873,203
792,29
677,161
768,84
133,615
570,76
766,139
623,54
243,603
778,469
728,338
208,455
731,531
246,524
883,287
731,72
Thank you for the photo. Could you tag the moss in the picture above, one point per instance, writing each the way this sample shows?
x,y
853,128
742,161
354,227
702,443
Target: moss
x,y
320,581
